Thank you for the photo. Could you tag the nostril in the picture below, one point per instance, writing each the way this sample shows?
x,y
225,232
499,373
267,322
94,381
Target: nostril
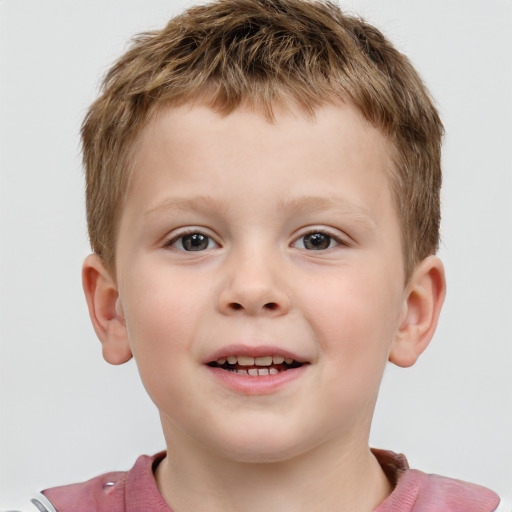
x,y
269,307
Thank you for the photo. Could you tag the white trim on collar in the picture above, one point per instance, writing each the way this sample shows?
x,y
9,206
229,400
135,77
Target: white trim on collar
x,y
42,503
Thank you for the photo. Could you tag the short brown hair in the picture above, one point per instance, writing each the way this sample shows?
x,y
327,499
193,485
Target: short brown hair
x,y
261,53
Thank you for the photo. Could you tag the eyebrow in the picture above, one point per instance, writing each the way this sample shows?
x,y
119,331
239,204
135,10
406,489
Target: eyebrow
x,y
337,205
295,205
189,203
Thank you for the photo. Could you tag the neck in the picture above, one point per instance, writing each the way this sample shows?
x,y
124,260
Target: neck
x,y
333,477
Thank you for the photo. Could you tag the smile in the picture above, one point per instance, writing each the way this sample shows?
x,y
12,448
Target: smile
x,y
255,366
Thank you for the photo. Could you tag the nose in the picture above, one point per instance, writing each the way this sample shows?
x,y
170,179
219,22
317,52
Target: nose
x,y
254,285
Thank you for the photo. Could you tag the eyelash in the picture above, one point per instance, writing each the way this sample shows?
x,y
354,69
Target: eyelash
x,y
181,236
332,238
209,240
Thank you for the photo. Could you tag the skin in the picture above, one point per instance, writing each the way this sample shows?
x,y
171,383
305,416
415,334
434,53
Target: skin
x,y
255,190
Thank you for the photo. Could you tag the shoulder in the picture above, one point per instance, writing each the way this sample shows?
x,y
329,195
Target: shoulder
x,y
104,493
109,492
416,491
448,494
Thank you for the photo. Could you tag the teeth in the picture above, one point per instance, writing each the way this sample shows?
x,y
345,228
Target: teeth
x,y
254,361
255,372
263,361
245,360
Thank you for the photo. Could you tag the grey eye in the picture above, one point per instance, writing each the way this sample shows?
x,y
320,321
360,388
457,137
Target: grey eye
x,y
194,242
317,241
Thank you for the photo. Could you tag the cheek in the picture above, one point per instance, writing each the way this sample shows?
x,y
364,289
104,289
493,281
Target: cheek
x,y
160,321
161,346
159,306
354,321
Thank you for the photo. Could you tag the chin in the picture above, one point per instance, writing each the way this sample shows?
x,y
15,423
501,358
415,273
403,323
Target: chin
x,y
264,448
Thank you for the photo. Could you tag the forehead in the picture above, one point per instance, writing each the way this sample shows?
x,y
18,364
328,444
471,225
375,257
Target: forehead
x,y
194,133
193,149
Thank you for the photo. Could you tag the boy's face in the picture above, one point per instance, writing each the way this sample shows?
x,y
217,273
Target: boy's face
x,y
242,239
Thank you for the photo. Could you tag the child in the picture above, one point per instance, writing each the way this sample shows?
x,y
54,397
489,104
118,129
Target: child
x,y
263,204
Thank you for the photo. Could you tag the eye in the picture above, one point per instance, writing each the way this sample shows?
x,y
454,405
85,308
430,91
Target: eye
x,y
193,242
316,241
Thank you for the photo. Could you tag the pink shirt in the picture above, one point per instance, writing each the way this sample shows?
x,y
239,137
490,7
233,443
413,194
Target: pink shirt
x,y
136,491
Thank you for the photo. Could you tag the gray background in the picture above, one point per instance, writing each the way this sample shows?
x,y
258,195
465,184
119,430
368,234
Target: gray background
x,y
67,416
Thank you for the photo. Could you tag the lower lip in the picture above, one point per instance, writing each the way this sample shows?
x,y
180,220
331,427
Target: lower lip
x,y
258,384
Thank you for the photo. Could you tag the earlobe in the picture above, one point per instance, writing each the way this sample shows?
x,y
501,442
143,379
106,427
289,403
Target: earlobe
x,y
105,310
422,306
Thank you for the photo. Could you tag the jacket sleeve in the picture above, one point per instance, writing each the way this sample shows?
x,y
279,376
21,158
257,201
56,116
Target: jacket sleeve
x,y
43,504
39,503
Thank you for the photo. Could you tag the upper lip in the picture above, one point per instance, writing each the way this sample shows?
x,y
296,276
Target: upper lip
x,y
253,351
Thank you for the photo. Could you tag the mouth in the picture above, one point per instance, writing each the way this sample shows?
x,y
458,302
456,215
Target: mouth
x,y
256,366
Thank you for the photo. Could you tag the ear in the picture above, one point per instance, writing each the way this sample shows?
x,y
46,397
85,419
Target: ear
x,y
105,310
424,298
